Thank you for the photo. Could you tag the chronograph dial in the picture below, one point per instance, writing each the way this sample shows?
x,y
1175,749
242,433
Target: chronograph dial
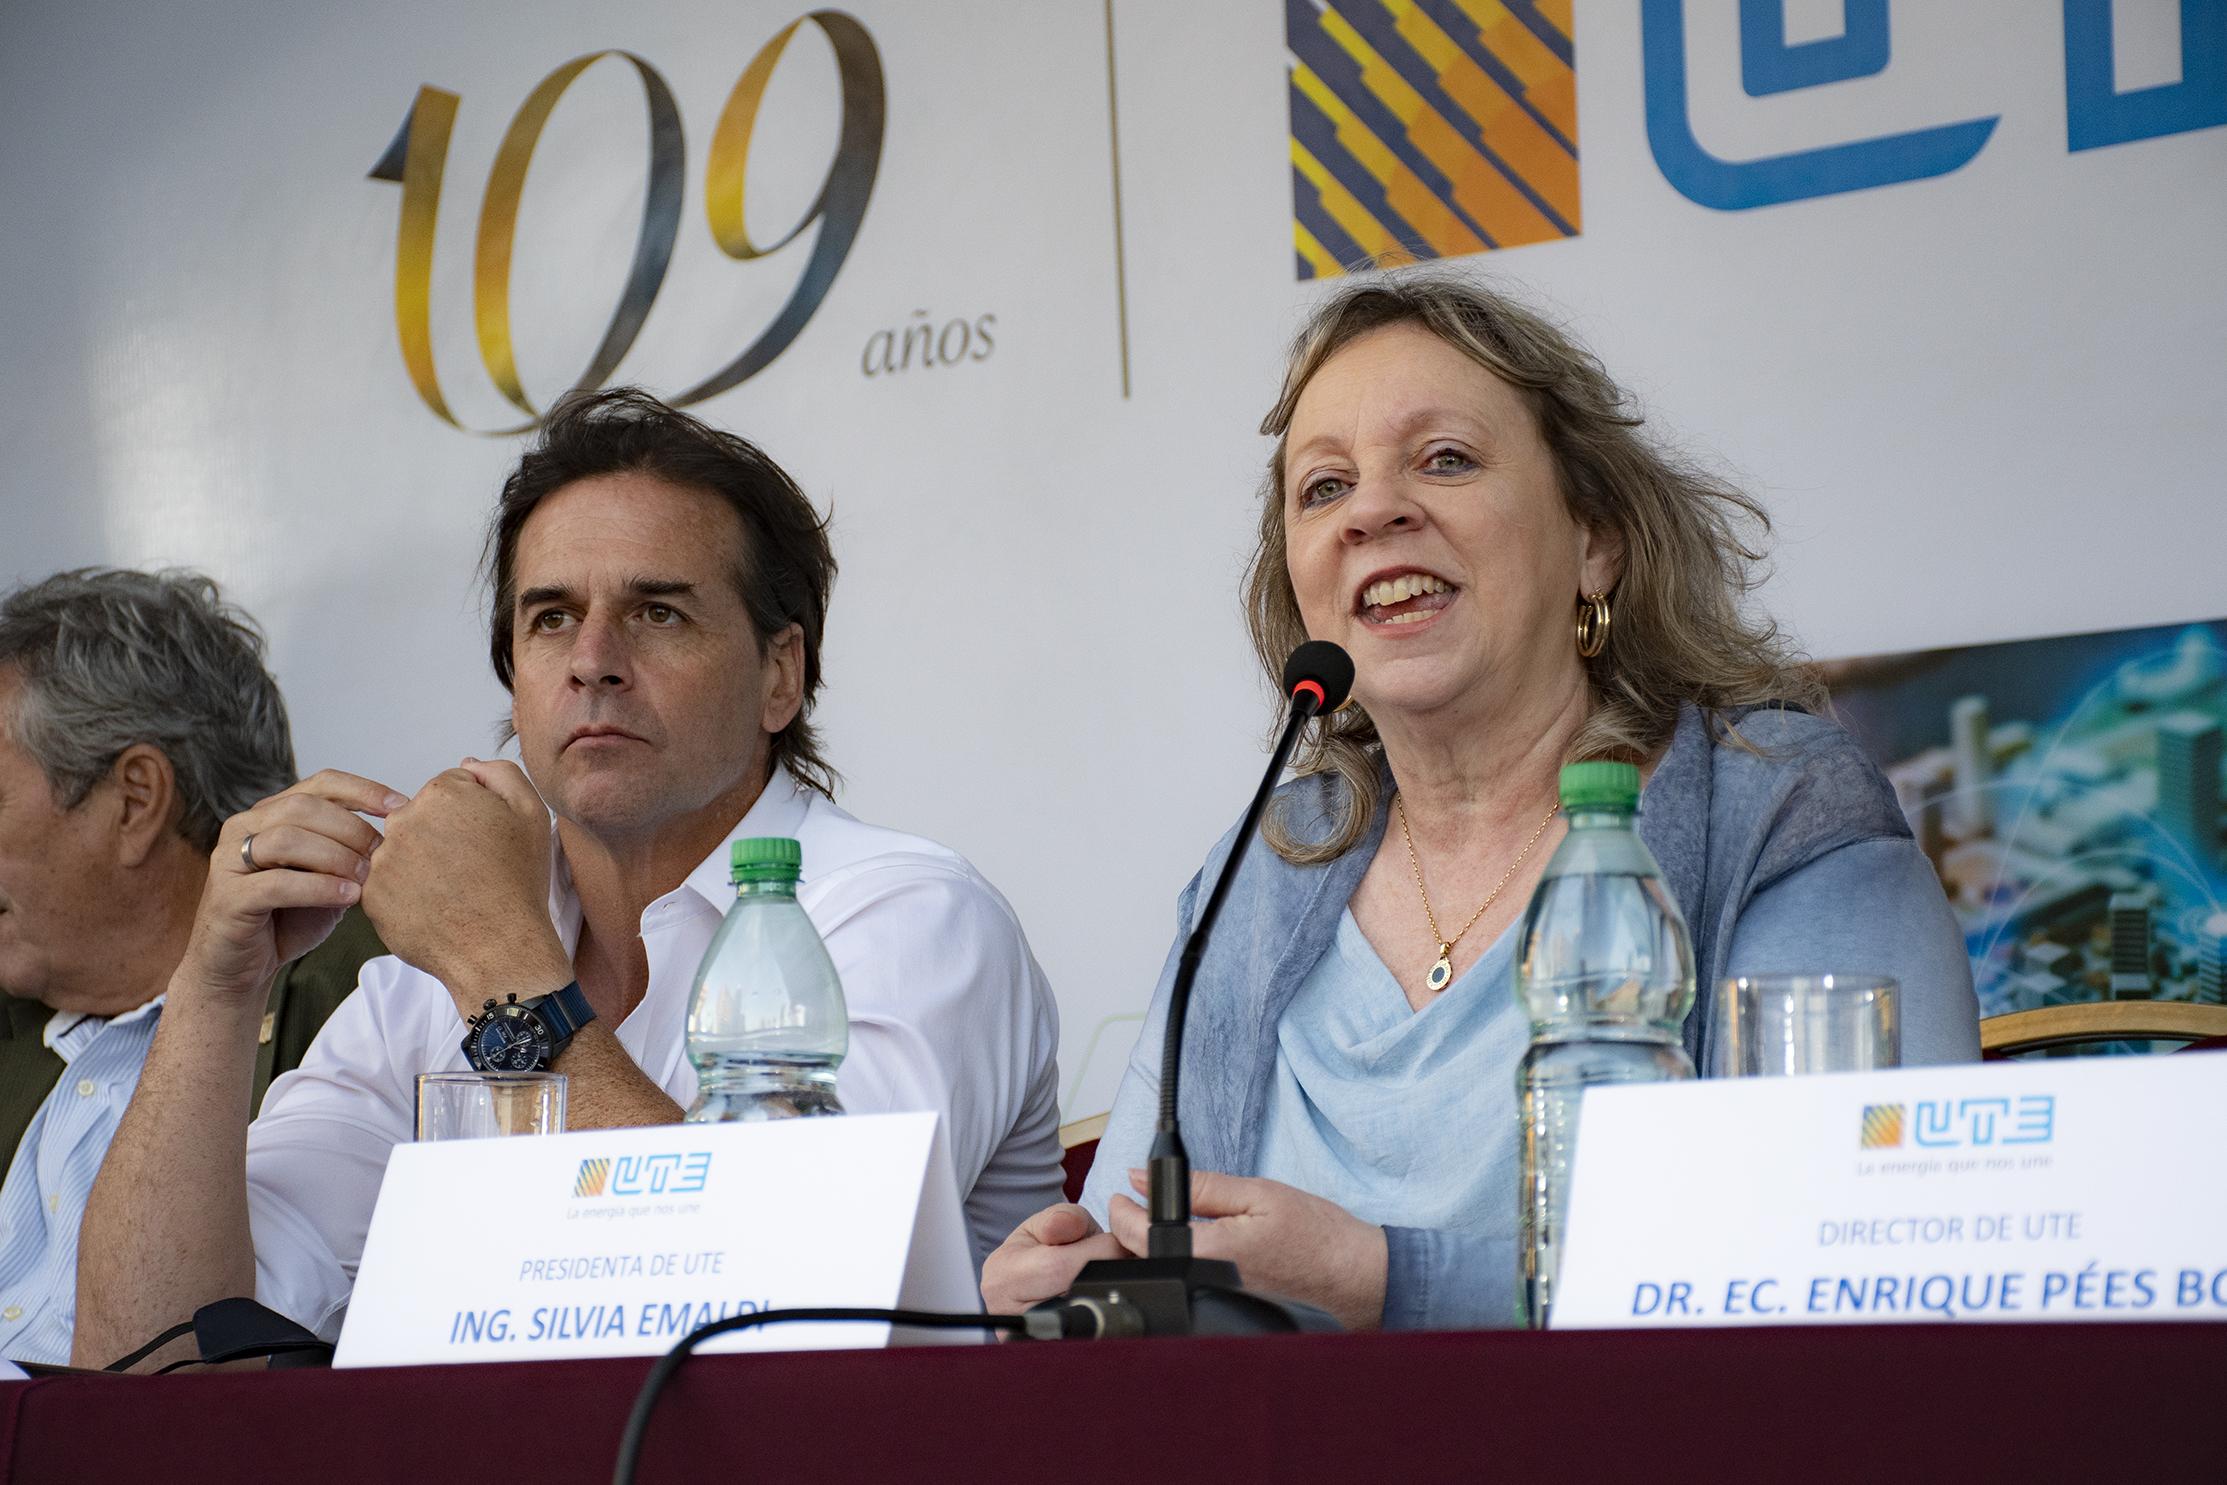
x,y
516,1036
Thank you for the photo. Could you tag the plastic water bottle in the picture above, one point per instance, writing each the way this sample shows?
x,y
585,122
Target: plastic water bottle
x,y
1606,975
767,1026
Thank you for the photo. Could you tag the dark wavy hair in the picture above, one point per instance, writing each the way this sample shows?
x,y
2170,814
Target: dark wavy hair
x,y
787,566
1691,543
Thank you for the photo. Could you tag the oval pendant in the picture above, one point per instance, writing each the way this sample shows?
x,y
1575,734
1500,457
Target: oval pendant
x,y
1441,973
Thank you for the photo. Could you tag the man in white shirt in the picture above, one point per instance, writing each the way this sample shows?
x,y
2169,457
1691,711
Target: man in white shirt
x,y
660,593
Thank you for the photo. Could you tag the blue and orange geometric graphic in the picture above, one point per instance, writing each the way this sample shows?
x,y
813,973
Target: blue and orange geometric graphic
x,y
1429,129
593,1173
1883,1125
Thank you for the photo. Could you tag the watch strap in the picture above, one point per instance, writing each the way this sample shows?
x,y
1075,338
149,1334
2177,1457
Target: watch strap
x,y
564,1013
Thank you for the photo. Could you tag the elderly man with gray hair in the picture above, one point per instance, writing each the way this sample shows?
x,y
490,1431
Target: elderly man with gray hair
x,y
136,715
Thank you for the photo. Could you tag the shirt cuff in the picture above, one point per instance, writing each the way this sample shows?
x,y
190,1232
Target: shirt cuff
x,y
1407,1277
1435,1279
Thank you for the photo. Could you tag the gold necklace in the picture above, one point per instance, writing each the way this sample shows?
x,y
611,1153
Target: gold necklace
x,y
1442,972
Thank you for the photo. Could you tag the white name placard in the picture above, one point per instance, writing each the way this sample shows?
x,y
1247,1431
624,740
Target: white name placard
x,y
619,1242
2070,1189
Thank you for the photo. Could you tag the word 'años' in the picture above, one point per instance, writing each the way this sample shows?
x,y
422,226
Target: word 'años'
x,y
952,343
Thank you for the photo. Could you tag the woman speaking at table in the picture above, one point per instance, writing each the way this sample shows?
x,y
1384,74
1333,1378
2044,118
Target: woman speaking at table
x,y
1461,498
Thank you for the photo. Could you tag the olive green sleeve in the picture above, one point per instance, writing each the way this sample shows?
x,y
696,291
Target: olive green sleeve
x,y
28,1069
307,991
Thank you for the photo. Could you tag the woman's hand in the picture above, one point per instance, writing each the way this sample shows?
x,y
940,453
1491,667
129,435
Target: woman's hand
x,y
1042,1257
1283,1241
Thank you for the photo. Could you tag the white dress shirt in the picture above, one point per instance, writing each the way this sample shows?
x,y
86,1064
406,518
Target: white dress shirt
x,y
949,1011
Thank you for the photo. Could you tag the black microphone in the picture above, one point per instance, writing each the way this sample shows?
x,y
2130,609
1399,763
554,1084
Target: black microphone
x,y
1169,1291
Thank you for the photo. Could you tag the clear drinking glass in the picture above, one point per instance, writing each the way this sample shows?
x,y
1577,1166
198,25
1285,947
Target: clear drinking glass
x,y
480,1105
1776,1026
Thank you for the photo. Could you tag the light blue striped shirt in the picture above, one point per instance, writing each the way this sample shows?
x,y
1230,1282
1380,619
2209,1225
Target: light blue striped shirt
x,y
44,1197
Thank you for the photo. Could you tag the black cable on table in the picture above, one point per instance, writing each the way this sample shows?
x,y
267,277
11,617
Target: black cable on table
x,y
126,1363
256,1352
637,1423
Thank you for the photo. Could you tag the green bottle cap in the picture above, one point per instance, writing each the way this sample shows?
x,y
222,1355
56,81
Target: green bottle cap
x,y
1600,785
765,858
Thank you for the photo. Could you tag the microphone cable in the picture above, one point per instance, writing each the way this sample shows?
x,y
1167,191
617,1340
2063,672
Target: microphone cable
x,y
236,1329
1318,679
1071,1322
127,1362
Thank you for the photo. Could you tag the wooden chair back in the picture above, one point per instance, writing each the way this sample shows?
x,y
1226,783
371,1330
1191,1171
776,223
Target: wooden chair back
x,y
2100,1021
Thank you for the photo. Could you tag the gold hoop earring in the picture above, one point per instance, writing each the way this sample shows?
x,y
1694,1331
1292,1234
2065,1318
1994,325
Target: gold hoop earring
x,y
1592,625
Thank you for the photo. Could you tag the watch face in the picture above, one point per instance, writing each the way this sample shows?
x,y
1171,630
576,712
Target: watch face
x,y
513,1040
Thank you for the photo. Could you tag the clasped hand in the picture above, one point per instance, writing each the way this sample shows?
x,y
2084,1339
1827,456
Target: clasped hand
x,y
460,886
1283,1241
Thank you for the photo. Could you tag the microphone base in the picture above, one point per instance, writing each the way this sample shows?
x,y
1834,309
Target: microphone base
x,y
1193,1296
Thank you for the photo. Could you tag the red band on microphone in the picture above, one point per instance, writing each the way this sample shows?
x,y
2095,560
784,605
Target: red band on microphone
x,y
1314,686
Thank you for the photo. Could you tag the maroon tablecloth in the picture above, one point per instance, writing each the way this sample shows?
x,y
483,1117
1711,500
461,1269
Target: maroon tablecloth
x,y
1870,1405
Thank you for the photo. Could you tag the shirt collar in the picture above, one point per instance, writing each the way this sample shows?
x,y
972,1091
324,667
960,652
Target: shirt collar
x,y
780,809
65,1035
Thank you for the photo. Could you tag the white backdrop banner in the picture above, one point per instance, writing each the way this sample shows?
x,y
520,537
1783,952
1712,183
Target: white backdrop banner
x,y
1006,286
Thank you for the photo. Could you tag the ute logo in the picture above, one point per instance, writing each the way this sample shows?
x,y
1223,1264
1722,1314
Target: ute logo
x,y
643,1175
1961,1123
1437,128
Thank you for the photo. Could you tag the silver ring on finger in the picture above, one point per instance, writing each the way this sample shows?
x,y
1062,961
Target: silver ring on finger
x,y
247,852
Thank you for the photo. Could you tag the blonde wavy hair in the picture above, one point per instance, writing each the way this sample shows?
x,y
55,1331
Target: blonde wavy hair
x,y
1692,546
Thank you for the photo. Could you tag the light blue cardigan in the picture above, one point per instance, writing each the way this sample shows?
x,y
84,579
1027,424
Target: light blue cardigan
x,y
1725,822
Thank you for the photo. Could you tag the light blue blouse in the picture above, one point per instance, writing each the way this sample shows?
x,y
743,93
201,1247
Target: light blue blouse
x,y
1779,839
1402,1117
1408,1118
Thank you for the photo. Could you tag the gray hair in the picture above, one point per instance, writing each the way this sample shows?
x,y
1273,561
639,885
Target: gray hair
x,y
110,658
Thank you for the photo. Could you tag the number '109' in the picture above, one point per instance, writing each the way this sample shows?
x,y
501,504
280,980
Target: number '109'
x,y
419,156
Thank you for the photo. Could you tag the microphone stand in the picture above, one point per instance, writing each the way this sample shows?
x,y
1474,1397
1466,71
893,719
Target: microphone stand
x,y
1169,1290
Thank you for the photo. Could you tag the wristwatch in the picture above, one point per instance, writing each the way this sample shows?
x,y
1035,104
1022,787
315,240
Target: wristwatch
x,y
525,1036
